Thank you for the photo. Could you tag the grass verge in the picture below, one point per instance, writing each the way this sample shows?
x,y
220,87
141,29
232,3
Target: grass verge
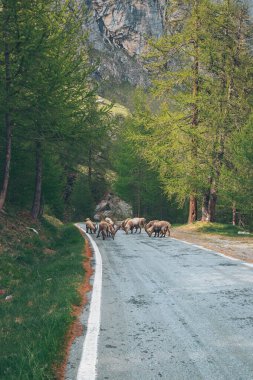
x,y
40,274
213,228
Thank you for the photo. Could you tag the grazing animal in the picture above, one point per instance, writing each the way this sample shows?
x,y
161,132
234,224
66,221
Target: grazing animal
x,y
90,226
103,228
112,230
107,230
160,228
136,223
123,224
109,221
150,224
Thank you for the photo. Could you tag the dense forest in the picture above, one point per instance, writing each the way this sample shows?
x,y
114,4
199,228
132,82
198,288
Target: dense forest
x,y
183,152
51,126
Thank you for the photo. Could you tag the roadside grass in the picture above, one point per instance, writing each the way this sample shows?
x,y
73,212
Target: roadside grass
x,y
41,273
219,229
213,228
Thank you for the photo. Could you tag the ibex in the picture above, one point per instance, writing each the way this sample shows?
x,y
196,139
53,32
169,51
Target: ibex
x,y
106,230
136,223
90,226
160,228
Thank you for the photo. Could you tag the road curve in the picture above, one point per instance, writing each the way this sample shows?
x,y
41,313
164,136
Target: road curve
x,y
173,311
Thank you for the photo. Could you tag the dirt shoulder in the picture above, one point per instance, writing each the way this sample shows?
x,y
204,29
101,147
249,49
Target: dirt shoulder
x,y
238,247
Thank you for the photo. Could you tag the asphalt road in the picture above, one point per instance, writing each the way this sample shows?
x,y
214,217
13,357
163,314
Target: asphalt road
x,y
173,311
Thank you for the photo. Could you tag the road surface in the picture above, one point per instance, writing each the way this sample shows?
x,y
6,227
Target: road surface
x,y
170,310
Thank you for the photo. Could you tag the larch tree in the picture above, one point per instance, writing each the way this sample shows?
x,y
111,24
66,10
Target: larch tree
x,y
177,61
203,77
46,90
229,89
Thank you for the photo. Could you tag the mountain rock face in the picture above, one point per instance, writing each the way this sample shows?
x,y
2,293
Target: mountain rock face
x,y
118,31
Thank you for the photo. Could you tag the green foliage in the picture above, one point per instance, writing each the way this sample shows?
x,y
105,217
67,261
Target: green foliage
x,y
202,74
122,93
52,103
53,185
136,182
82,201
237,176
42,274
22,177
188,137
177,132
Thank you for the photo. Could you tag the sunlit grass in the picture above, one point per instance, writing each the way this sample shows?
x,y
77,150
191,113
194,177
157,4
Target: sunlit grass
x,y
117,109
213,228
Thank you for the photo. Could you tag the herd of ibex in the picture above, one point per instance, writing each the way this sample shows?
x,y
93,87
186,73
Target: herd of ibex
x,y
107,228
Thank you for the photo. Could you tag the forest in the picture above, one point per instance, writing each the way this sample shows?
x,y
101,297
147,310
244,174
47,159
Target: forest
x,y
183,152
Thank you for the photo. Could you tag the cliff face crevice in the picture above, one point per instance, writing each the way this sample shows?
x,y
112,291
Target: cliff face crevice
x,y
119,30
126,24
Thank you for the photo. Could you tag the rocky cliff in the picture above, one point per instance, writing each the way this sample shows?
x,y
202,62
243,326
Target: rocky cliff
x,y
113,207
118,30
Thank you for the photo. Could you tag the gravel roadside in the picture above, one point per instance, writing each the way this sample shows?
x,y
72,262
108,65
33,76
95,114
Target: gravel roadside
x,y
238,247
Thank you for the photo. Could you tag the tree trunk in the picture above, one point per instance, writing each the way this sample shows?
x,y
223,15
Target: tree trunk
x,y
36,208
7,161
8,122
161,207
90,168
195,111
138,201
209,203
192,209
42,204
205,207
240,221
234,214
139,192
206,203
212,204
71,178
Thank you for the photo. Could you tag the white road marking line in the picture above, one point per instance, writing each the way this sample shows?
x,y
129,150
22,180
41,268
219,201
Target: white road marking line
x,y
248,265
216,253
87,366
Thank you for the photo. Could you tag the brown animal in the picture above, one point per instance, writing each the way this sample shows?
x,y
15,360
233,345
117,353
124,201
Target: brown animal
x,y
112,230
123,224
107,230
160,228
103,228
109,221
90,226
150,224
136,223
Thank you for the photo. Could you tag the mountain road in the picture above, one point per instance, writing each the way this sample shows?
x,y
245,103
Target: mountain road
x,y
174,311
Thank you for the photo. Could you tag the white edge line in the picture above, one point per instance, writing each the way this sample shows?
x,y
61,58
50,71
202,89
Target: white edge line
x,y
87,366
216,253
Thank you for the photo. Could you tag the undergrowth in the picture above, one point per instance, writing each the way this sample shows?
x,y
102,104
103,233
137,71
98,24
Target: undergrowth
x,y
39,277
